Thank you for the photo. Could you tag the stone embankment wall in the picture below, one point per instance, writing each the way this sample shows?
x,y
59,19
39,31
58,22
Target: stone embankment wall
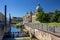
x,y
1,33
42,35
3,30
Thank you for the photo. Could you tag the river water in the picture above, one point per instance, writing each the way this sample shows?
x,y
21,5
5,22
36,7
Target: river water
x,y
14,29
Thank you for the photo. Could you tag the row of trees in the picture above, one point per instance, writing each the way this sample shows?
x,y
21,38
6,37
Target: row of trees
x,y
46,17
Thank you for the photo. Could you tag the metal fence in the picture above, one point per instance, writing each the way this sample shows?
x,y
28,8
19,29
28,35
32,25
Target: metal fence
x,y
53,29
15,34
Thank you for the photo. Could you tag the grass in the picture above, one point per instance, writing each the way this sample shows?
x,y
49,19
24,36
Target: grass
x,y
52,24
49,24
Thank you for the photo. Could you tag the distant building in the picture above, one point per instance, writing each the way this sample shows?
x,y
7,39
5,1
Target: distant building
x,y
16,19
38,9
27,18
30,17
2,17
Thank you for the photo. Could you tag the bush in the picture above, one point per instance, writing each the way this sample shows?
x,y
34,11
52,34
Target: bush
x,y
18,25
59,20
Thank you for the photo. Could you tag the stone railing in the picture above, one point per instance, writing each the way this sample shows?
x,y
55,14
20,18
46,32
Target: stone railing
x,y
53,29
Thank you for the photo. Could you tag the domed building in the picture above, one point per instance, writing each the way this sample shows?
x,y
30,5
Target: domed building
x,y
32,17
29,17
38,9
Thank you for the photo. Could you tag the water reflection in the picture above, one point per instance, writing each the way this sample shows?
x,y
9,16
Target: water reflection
x,y
17,32
14,29
20,36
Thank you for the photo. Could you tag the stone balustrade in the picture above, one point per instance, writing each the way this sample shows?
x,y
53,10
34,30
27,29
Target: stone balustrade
x,y
43,32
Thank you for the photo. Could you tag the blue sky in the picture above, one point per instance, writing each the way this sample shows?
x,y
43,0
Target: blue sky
x,y
19,8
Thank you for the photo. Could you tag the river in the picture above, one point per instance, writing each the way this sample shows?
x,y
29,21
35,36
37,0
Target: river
x,y
14,29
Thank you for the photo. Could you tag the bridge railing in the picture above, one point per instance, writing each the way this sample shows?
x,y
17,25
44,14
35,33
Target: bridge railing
x,y
15,34
53,29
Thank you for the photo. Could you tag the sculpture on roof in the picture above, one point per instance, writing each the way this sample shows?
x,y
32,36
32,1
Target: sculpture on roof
x,y
39,8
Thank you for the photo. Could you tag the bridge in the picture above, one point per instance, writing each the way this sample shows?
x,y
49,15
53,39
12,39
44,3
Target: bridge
x,y
38,30
43,32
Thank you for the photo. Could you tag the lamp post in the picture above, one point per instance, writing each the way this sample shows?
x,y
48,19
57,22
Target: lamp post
x,y
10,19
5,14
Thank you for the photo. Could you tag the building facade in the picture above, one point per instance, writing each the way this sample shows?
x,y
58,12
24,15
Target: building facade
x,y
27,18
16,19
30,17
2,17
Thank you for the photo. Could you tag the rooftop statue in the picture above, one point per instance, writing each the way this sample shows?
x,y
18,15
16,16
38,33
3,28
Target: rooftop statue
x,y
38,8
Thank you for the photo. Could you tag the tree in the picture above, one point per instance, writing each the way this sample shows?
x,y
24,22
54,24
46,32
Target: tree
x,y
45,18
54,17
59,19
39,16
18,26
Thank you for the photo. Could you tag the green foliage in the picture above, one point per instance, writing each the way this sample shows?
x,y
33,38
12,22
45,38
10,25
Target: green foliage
x,y
18,26
42,17
39,16
45,18
59,20
54,17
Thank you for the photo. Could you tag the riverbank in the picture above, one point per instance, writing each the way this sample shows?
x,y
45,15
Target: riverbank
x,y
48,24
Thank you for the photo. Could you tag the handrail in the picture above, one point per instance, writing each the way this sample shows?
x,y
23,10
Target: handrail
x,y
52,29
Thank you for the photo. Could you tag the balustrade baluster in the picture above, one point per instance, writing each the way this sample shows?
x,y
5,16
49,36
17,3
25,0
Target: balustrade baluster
x,y
47,27
38,25
54,29
42,26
